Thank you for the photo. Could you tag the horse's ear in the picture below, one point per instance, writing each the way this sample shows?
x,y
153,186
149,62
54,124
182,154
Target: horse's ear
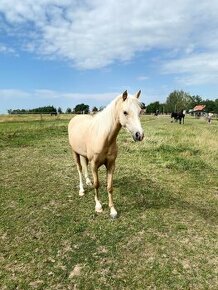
x,y
138,94
124,96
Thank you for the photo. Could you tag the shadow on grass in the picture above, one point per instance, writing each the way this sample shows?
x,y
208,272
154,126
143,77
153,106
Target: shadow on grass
x,y
142,193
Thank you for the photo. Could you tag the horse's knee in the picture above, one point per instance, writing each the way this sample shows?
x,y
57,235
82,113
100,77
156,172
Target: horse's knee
x,y
110,189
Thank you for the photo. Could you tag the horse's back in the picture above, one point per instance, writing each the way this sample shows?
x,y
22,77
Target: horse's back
x,y
78,130
79,121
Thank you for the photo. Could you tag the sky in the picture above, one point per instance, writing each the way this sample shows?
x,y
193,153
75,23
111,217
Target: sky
x,y
66,52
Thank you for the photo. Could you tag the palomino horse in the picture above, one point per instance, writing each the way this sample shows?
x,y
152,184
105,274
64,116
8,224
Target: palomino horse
x,y
93,139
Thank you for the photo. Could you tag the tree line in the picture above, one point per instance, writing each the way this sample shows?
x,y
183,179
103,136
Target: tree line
x,y
40,110
175,102
78,109
180,100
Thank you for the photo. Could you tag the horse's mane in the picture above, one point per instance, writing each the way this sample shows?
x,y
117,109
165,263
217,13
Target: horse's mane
x,y
104,120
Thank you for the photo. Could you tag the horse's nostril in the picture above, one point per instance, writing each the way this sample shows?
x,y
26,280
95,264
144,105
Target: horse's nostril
x,y
137,136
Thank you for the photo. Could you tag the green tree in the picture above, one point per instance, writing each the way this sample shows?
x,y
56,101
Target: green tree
x,y
162,109
94,109
60,110
68,111
210,106
178,101
195,100
81,109
153,108
216,106
40,110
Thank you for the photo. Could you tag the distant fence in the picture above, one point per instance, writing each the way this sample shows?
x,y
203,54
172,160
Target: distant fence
x,y
35,116
45,116
38,114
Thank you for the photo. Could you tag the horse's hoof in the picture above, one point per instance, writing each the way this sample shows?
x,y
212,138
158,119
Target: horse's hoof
x,y
113,213
81,193
98,209
113,216
88,182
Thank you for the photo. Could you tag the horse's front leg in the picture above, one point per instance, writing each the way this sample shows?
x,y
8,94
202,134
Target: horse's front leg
x,y
98,206
79,168
110,170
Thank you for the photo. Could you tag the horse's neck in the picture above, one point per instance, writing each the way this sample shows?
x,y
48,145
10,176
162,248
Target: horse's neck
x,y
115,129
110,125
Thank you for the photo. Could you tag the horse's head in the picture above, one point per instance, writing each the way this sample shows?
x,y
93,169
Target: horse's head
x,y
129,113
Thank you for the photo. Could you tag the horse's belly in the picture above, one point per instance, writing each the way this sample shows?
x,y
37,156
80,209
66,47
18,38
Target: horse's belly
x,y
80,149
78,145
77,136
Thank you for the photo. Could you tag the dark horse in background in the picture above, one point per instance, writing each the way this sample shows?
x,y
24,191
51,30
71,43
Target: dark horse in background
x,y
178,116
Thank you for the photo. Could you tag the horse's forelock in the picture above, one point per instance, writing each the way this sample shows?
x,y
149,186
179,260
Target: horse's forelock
x,y
132,100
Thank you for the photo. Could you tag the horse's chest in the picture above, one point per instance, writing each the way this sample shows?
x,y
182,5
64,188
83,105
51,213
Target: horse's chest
x,y
105,155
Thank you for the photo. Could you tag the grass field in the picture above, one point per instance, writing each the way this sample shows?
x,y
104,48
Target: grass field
x,y
165,188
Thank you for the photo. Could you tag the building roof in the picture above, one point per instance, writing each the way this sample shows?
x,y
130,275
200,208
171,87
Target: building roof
x,y
199,108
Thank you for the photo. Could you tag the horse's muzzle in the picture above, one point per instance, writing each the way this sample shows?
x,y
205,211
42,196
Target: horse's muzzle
x,y
138,136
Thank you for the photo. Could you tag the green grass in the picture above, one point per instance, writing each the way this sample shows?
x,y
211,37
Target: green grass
x,y
165,192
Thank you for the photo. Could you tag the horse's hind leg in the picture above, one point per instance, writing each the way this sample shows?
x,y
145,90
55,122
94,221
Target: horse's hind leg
x,y
79,168
84,163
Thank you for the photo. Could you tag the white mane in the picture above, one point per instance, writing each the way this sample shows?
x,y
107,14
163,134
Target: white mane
x,y
105,119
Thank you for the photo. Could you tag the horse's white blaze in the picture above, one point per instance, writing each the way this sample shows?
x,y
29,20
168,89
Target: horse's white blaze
x,y
93,139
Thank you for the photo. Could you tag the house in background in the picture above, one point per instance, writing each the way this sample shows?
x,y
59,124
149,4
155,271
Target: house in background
x,y
198,111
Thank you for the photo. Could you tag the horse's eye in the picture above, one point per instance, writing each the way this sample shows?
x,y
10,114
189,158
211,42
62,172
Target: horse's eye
x,y
125,113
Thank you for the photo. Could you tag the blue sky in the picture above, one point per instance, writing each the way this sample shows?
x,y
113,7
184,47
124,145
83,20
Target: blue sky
x,y
65,52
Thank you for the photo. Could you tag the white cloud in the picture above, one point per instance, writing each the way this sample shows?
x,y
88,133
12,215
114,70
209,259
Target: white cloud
x,y
94,34
46,94
77,97
6,94
5,49
143,78
23,99
199,68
